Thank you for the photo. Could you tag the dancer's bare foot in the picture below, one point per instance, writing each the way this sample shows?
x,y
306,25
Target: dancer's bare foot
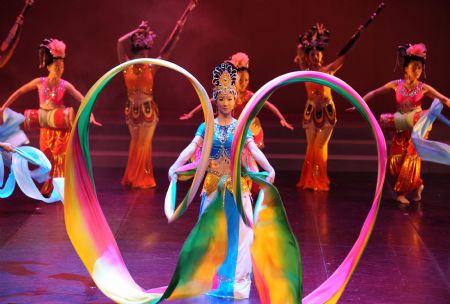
x,y
418,196
402,200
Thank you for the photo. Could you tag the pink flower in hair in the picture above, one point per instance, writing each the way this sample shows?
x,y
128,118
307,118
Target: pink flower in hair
x,y
419,50
240,60
57,48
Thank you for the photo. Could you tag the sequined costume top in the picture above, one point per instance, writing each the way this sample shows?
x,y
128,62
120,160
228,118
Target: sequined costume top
x,y
51,98
409,108
140,106
138,79
408,100
219,164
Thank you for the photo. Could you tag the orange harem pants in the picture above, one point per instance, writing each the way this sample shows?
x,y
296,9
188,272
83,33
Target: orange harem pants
x,y
53,142
404,163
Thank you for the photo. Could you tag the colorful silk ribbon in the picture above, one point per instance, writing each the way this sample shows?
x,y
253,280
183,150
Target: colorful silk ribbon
x,y
429,150
21,173
91,236
330,290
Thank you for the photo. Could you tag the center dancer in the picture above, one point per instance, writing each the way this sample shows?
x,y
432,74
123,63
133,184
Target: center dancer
x,y
234,276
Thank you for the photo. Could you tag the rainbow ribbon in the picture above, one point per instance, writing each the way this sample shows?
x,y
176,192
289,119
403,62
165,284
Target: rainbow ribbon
x,y
268,287
91,235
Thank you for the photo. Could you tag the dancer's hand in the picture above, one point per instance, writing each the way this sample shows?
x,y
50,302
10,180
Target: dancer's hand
x,y
320,28
172,174
186,116
7,147
285,124
93,121
29,2
271,177
144,25
351,109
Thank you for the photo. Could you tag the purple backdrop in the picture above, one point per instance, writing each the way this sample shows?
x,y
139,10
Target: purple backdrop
x,y
266,30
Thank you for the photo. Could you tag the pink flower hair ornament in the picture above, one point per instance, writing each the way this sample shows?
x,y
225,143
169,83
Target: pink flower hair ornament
x,y
57,48
418,50
240,60
49,50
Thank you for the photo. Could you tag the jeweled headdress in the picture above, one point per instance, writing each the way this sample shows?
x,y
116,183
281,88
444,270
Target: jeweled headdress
x,y
314,39
224,79
50,50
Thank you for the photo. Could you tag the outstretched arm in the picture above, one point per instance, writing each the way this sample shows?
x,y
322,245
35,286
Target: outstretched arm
x,y
191,113
185,155
9,44
300,59
387,87
392,85
19,92
280,116
334,66
121,51
261,160
79,97
169,44
433,93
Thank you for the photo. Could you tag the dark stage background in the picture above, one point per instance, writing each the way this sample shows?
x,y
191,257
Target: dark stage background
x,y
266,30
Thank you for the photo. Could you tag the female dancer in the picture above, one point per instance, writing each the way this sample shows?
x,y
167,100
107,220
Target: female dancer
x,y
9,44
241,62
319,117
234,275
404,161
141,112
53,118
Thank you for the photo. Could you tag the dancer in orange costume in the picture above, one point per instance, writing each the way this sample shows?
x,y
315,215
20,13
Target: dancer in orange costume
x,y
319,117
404,161
53,118
141,111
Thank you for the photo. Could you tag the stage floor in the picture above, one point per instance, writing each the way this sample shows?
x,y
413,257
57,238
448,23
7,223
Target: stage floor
x,y
407,259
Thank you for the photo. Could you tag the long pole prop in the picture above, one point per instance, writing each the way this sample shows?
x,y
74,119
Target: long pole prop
x,y
362,27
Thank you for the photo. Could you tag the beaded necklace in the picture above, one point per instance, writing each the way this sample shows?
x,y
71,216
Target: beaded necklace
x,y
404,91
223,133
